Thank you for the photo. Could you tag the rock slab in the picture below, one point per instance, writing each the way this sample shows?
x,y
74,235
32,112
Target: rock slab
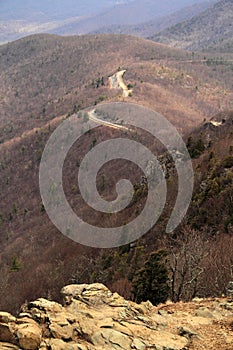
x,y
94,318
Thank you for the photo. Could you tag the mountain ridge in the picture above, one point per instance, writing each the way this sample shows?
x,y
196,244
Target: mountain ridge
x,y
215,22
79,18
147,29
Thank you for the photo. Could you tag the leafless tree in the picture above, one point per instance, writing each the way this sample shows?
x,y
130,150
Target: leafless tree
x,y
186,254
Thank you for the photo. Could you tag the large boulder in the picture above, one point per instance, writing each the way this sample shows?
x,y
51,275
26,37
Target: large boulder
x,y
29,336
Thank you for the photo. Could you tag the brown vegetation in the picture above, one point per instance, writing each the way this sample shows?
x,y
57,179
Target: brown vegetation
x,y
215,23
44,77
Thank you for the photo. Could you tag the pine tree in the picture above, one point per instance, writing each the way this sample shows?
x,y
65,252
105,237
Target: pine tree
x,y
151,281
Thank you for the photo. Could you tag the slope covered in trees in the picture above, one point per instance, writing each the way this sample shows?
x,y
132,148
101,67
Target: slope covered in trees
x,y
209,31
46,78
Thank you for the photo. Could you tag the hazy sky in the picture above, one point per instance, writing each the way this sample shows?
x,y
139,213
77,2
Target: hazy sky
x,y
31,9
19,18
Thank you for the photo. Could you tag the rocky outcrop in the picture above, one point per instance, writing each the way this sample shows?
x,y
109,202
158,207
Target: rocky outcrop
x,y
94,318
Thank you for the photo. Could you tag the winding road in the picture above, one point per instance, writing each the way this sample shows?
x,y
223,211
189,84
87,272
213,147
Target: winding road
x,y
92,116
117,82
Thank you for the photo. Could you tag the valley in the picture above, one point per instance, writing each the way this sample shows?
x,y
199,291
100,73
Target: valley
x,y
47,78
180,65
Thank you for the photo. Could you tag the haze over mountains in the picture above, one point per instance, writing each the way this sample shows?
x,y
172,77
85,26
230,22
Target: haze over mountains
x,y
18,19
211,30
148,28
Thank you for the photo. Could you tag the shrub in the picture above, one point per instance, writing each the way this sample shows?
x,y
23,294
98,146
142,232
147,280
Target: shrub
x,y
228,162
195,147
16,264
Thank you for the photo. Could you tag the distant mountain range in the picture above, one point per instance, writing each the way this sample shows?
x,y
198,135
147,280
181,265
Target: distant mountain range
x,y
148,28
18,20
211,30
45,10
79,17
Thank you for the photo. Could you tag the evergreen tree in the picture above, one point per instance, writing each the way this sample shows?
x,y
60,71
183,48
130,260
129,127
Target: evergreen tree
x,y
151,281
16,264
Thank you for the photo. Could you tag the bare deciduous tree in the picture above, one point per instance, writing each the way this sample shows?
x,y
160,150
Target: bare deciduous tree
x,y
186,253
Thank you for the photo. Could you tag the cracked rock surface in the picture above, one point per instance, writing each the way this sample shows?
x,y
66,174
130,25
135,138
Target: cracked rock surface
x,y
94,318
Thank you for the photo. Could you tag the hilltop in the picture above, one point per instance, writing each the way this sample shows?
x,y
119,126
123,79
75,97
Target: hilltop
x,y
209,31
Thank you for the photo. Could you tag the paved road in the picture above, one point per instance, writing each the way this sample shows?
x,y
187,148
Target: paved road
x,y
92,116
117,82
